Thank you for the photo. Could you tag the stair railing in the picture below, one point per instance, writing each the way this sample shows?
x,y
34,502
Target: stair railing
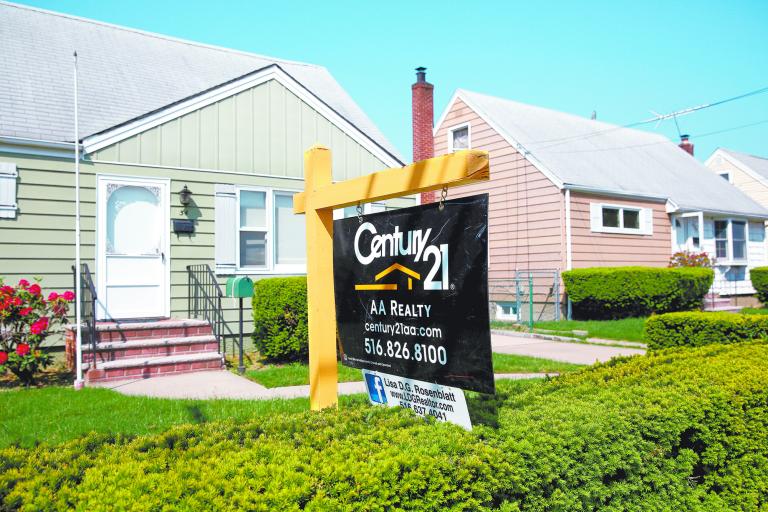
x,y
204,298
87,297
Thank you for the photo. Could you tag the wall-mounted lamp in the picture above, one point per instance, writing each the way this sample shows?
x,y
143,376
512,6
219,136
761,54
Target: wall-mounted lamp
x,y
185,197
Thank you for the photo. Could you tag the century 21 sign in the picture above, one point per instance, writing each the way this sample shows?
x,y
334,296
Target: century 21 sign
x,y
411,290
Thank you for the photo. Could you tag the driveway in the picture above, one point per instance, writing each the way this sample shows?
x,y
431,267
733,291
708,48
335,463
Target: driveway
x,y
579,353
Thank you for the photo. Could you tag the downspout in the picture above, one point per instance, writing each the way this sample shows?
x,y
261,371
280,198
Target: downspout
x,y
568,246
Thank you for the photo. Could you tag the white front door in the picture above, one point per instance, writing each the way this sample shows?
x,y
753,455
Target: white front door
x,y
132,248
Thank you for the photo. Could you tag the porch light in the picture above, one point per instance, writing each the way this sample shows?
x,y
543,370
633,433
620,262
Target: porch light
x,y
185,197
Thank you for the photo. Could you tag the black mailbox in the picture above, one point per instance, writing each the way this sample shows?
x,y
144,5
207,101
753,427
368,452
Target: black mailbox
x,y
183,226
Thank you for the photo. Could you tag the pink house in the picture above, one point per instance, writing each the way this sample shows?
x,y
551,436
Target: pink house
x,y
570,192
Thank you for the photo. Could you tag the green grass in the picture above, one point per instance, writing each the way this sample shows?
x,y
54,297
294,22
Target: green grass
x,y
297,374
512,363
55,414
627,329
294,374
754,311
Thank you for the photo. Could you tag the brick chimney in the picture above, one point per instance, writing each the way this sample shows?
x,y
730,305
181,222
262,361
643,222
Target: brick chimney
x,y
423,116
686,145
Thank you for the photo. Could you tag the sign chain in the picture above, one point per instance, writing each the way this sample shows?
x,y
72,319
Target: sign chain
x,y
360,213
443,195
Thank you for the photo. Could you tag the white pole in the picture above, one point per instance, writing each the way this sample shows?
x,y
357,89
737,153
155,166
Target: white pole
x,y
78,285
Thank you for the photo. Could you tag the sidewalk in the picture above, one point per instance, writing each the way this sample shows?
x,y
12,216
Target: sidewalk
x,y
579,353
225,384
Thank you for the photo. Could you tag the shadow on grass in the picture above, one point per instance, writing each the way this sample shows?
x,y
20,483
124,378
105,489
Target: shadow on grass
x,y
196,414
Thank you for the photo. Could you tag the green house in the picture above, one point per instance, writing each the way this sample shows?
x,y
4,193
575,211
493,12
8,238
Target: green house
x,y
162,122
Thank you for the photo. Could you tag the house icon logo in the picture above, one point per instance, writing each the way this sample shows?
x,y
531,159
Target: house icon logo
x,y
390,286
375,388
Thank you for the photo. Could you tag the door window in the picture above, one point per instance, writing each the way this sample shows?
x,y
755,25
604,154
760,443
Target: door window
x,y
133,214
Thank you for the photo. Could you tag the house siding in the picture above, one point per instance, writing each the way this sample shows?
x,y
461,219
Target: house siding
x,y
525,209
260,147
591,249
741,180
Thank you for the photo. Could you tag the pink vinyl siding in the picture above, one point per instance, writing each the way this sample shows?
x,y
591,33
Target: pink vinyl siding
x,y
592,249
526,211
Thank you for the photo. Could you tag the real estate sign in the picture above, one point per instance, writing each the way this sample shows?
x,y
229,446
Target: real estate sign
x,y
411,289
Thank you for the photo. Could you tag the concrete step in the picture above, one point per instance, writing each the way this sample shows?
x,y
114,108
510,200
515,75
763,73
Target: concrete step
x,y
146,367
725,309
116,350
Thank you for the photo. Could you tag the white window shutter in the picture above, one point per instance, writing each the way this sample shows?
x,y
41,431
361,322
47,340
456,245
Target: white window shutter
x,y
596,216
647,221
8,175
225,228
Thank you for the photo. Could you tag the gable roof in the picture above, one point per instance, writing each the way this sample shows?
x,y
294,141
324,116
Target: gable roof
x,y
125,74
757,164
579,153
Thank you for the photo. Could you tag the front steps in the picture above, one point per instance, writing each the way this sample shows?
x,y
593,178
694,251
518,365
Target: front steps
x,y
140,350
715,302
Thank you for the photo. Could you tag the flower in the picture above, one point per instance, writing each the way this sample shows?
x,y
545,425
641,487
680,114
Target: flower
x,y
53,296
35,289
39,326
22,349
7,290
23,283
69,296
3,357
25,311
16,301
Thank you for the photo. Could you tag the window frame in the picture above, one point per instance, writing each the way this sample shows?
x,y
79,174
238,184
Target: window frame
x,y
729,258
271,266
456,128
500,315
641,218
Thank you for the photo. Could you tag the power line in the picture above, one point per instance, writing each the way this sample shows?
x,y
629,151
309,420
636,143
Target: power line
x,y
657,118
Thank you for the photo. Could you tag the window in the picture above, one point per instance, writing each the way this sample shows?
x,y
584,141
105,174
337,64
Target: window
x,y
739,231
458,138
687,233
621,219
726,176
270,237
756,232
721,239
506,311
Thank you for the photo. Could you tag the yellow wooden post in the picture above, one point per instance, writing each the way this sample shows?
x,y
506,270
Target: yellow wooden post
x,y
319,199
323,378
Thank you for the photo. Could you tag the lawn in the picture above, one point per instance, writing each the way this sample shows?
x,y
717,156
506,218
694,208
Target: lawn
x,y
627,329
297,374
55,414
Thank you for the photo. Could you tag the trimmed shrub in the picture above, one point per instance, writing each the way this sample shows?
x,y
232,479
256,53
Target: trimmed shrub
x,y
759,278
677,430
694,329
620,292
280,330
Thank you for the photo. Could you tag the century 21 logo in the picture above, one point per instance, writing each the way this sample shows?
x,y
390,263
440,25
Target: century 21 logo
x,y
412,243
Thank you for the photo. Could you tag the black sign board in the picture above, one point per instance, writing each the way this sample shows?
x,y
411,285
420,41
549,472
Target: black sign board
x,y
411,290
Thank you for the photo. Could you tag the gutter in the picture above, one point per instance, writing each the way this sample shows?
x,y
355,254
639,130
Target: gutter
x,y
36,147
607,192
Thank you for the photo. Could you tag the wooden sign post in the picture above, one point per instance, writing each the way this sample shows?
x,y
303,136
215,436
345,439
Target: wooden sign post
x,y
320,198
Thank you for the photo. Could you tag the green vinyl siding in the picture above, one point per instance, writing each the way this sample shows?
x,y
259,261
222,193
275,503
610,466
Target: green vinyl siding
x,y
257,137
262,130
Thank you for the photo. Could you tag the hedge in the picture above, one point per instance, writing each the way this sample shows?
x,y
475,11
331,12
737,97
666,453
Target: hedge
x,y
694,329
759,278
676,430
620,292
280,329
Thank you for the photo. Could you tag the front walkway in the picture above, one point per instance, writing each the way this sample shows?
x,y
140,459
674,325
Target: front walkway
x,y
225,384
578,353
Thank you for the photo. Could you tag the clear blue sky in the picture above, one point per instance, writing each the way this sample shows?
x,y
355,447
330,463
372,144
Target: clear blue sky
x,y
620,58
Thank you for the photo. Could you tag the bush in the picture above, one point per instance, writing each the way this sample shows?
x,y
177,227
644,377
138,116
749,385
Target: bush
x,y
620,292
280,330
694,329
677,430
759,278
690,259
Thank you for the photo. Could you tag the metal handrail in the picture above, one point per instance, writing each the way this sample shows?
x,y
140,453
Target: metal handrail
x,y
87,297
204,297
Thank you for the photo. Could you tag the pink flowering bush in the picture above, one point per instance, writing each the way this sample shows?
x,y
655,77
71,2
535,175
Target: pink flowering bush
x,y
26,319
690,259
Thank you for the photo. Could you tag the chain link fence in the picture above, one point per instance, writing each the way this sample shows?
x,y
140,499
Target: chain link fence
x,y
528,297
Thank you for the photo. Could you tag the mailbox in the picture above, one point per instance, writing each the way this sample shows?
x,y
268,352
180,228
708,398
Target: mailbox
x,y
241,287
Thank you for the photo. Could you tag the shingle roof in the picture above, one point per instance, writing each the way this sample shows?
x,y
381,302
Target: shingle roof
x,y
757,164
592,154
124,74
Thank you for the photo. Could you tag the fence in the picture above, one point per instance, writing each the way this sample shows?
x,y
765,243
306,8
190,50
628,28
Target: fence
x,y
530,296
